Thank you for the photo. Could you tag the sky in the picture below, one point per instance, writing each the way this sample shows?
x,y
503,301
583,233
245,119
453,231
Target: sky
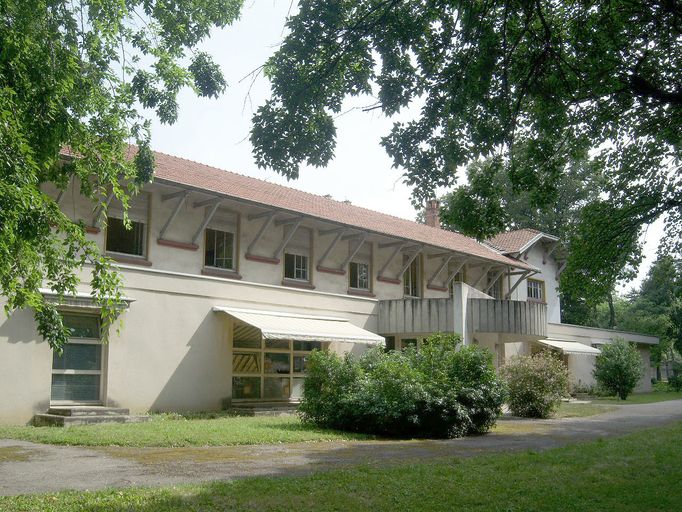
x,y
216,131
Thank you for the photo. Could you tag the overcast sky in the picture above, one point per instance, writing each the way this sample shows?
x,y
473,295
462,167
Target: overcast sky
x,y
215,132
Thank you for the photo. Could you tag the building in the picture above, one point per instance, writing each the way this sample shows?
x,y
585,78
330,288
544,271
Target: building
x,y
231,281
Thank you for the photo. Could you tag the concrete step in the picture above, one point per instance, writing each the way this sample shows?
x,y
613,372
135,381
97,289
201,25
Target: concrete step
x,y
59,420
87,410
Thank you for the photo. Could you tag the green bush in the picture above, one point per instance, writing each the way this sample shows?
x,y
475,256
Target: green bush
x,y
536,384
618,368
675,382
441,391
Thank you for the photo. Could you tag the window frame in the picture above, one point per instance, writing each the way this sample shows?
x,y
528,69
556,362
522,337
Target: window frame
x,y
297,267
369,276
416,285
145,232
103,363
261,351
541,288
233,257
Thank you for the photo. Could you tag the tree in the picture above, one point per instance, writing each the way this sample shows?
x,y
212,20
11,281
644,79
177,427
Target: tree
x,y
618,368
537,84
74,74
498,206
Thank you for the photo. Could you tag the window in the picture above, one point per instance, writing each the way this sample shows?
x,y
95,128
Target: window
x,y
219,249
77,372
536,290
270,369
459,277
122,240
297,255
411,282
496,290
359,266
296,267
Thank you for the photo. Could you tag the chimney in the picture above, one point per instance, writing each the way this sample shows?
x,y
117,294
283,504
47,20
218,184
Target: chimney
x,y
432,213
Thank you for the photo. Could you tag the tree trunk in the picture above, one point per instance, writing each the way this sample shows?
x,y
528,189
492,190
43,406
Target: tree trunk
x,y
612,312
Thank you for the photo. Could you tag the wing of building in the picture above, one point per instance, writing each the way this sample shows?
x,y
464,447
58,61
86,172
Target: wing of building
x,y
231,282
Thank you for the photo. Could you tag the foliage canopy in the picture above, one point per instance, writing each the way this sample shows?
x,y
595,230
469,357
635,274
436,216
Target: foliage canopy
x,y
537,84
618,368
74,74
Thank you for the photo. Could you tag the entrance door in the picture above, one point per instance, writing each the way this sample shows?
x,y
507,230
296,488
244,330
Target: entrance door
x,y
77,372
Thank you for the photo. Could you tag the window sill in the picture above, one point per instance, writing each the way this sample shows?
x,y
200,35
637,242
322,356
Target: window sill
x,y
360,293
536,301
177,245
93,230
262,259
130,260
298,284
328,270
388,280
220,272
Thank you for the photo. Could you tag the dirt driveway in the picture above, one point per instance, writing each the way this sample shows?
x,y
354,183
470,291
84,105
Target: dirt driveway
x,y
35,468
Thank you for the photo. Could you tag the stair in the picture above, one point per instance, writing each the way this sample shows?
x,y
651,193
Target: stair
x,y
66,416
264,409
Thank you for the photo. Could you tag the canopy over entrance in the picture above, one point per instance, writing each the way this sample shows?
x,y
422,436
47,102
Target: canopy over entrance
x,y
277,325
571,347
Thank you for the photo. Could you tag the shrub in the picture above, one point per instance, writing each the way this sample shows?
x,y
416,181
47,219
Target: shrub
x,y
442,391
536,384
618,368
675,382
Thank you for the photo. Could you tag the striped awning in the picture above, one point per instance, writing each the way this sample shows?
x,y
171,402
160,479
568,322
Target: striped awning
x,y
571,347
276,325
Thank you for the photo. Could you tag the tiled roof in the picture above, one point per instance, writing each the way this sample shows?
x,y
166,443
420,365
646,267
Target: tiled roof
x,y
515,241
175,170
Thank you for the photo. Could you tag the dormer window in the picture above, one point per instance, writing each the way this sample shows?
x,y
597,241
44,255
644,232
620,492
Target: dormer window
x,y
536,290
220,250
297,255
133,241
411,277
359,268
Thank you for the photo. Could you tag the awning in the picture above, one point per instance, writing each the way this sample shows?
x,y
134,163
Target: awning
x,y
276,325
571,347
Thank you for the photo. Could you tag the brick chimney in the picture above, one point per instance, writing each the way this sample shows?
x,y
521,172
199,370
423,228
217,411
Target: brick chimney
x,y
432,213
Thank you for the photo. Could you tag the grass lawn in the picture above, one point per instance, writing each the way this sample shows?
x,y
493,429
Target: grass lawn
x,y
572,410
211,430
174,431
641,398
638,472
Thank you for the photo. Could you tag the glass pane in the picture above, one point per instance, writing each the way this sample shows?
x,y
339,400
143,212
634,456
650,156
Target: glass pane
x,y
289,266
77,356
297,388
209,258
242,343
276,387
126,241
300,363
307,345
353,272
245,387
82,326
248,362
283,344
276,363
75,387
390,342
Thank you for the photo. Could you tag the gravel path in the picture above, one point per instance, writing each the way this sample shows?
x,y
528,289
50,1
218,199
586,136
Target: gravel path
x,y
37,468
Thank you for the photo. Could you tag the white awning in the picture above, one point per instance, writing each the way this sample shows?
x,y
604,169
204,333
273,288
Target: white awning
x,y
277,325
571,347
